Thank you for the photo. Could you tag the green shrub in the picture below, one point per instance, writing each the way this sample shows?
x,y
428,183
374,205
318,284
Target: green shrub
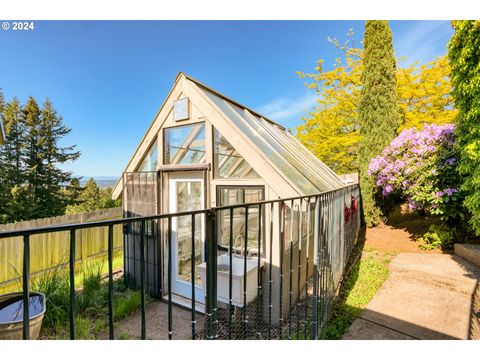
x,y
438,236
464,54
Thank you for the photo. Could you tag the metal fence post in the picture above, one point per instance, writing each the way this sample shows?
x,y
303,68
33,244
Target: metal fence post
x,y
72,284
316,232
211,270
26,287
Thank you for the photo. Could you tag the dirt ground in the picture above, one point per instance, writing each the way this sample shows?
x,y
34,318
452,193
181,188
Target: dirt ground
x,y
401,233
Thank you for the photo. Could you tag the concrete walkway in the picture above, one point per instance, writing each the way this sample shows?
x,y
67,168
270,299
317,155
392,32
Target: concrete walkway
x,y
427,296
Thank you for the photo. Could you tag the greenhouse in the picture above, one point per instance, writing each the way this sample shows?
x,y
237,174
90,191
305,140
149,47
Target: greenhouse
x,y
205,151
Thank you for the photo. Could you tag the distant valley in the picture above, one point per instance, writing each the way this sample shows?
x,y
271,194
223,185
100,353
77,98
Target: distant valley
x,y
102,181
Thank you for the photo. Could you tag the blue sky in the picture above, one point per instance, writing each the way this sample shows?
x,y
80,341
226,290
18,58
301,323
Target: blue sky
x,y
109,78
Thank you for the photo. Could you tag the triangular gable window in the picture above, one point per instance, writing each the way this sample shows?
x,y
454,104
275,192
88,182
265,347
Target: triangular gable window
x,y
228,161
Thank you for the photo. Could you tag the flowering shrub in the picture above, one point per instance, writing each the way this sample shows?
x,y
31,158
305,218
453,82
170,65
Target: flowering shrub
x,y
420,166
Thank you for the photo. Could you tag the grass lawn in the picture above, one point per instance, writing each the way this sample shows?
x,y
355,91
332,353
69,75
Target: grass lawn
x,y
361,284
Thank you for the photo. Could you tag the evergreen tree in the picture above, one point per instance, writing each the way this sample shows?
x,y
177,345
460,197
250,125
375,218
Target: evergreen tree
x,y
33,158
331,131
3,188
31,183
106,200
13,192
92,198
88,200
464,53
72,192
51,197
378,109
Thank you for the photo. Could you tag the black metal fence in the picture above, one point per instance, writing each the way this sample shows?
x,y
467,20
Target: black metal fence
x,y
268,270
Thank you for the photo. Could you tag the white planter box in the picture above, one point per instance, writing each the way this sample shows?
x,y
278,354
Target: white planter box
x,y
237,278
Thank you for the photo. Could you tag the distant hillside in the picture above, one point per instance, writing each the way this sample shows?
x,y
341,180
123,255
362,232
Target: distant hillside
x,y
102,181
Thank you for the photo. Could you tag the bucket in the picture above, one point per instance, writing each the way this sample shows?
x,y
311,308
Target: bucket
x,y
11,315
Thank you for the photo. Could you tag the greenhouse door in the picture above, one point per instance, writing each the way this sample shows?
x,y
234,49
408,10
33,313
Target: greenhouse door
x,y
186,193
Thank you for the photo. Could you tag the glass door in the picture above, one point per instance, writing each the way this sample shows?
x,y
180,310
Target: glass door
x,y
186,193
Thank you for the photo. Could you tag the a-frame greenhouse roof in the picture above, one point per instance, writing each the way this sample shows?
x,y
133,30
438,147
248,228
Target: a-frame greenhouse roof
x,y
269,140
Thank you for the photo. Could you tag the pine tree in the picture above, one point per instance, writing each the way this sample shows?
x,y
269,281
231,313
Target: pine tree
x,y
88,200
464,53
378,109
91,198
13,193
33,158
51,196
31,183
106,200
72,192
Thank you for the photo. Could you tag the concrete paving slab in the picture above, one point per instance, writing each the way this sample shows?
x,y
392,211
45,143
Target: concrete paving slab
x,y
427,296
156,315
438,269
419,309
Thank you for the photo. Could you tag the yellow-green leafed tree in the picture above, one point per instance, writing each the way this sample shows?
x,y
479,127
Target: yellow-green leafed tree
x,y
331,130
424,94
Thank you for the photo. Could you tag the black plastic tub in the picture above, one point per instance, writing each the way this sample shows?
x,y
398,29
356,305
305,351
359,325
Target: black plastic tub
x,y
11,315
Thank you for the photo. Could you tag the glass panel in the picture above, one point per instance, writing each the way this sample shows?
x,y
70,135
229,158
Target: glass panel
x,y
294,156
293,219
320,165
240,195
149,162
291,224
180,109
325,179
228,161
185,144
189,197
267,144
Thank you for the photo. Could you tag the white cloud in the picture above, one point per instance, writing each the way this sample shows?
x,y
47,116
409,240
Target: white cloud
x,y
283,109
423,41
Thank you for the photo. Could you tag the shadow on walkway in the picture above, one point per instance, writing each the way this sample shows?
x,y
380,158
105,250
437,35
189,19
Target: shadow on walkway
x,y
427,296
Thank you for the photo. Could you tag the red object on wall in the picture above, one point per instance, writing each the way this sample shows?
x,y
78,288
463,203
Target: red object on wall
x,y
354,205
346,212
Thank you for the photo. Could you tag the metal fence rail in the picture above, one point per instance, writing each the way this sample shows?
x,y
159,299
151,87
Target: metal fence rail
x,y
280,282
50,251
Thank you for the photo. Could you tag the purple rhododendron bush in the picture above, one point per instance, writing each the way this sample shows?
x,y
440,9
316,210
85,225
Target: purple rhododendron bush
x,y
419,166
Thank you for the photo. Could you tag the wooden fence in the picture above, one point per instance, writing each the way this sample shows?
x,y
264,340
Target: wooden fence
x,y
51,250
